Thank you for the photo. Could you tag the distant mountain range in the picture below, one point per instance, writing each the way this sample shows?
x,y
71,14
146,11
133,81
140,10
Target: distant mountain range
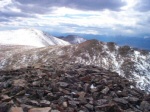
x,y
140,41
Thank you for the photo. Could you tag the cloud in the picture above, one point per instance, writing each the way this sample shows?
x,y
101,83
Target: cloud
x,y
4,19
30,8
143,5
9,11
13,14
110,17
146,37
95,5
33,8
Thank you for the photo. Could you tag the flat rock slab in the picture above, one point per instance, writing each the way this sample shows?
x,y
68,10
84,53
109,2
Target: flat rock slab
x,y
16,109
46,109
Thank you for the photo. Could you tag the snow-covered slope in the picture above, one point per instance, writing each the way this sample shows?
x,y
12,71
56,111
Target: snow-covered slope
x,y
130,63
31,37
74,39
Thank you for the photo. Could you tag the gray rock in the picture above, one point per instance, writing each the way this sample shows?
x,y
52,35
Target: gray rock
x,y
145,106
5,98
133,99
55,111
73,103
33,102
65,104
89,106
105,90
46,109
45,103
101,102
63,84
120,100
16,109
19,82
4,107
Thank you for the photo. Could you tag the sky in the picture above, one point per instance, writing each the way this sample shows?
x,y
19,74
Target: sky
x,y
98,17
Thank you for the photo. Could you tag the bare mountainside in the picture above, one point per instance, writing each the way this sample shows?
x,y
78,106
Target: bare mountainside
x,y
128,62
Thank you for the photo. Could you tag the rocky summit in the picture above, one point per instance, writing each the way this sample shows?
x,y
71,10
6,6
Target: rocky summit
x,y
64,87
133,64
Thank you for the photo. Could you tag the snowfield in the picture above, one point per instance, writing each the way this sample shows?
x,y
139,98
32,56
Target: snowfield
x,y
30,37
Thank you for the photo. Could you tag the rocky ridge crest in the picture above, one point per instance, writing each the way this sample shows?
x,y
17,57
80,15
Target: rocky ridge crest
x,y
133,64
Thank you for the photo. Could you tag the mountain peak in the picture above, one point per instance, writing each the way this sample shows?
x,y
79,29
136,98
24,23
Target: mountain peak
x,y
74,39
74,36
90,43
29,37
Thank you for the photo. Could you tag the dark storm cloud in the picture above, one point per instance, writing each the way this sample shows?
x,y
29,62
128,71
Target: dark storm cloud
x,y
94,5
143,5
